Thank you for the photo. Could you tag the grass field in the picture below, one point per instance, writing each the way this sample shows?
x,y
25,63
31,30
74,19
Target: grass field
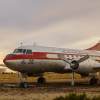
x,y
36,93
13,77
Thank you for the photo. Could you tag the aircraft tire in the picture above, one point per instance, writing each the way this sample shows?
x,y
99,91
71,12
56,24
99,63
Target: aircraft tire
x,y
41,80
93,81
23,85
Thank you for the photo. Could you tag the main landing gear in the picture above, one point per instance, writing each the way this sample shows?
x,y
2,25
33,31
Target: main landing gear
x,y
93,81
41,80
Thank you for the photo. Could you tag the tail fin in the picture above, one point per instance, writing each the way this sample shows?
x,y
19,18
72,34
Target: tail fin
x,y
95,47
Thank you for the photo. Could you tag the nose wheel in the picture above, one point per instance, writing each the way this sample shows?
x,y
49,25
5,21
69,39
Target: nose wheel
x,y
23,80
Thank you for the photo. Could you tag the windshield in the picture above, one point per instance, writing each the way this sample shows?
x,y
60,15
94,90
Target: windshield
x,y
24,51
19,51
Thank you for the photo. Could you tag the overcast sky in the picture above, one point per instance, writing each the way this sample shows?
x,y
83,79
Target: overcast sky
x,y
60,23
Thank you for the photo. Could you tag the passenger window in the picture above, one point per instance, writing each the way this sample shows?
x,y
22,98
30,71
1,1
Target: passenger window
x,y
29,52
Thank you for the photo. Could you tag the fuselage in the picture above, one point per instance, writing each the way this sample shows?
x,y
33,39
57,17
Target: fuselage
x,y
35,60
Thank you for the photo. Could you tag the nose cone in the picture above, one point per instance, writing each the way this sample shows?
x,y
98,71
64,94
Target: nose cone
x,y
10,61
4,61
7,59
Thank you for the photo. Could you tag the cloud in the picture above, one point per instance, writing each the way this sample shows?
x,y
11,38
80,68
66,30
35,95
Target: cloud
x,y
51,23
31,14
16,14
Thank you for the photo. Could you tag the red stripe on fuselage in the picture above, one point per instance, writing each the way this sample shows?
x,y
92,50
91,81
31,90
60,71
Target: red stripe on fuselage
x,y
36,55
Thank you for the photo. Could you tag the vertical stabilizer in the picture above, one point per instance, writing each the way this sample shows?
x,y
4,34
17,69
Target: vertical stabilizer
x,y
95,47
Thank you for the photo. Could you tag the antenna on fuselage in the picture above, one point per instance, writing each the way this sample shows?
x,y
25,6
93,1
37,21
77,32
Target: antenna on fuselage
x,y
34,44
21,44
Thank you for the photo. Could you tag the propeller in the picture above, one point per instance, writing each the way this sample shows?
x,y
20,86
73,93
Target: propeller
x,y
74,64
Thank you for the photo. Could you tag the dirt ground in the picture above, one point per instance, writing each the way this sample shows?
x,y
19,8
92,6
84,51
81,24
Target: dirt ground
x,y
29,94
41,94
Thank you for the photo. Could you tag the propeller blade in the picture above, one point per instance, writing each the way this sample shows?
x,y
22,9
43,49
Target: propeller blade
x,y
83,58
73,64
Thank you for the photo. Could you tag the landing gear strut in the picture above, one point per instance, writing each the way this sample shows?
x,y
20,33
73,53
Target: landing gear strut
x,y
41,80
23,80
93,81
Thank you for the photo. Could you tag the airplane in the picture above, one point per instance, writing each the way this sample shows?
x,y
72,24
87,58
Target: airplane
x,y
35,60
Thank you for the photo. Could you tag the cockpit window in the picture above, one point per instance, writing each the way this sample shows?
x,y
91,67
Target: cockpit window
x,y
29,52
18,51
24,51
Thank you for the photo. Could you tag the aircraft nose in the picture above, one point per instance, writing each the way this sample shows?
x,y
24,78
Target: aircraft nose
x,y
7,58
4,60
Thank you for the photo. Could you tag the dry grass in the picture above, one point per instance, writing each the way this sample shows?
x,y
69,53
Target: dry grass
x,y
27,95
12,77
31,93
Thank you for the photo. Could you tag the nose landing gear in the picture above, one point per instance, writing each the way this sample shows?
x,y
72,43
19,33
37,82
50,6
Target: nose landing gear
x,y
23,80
